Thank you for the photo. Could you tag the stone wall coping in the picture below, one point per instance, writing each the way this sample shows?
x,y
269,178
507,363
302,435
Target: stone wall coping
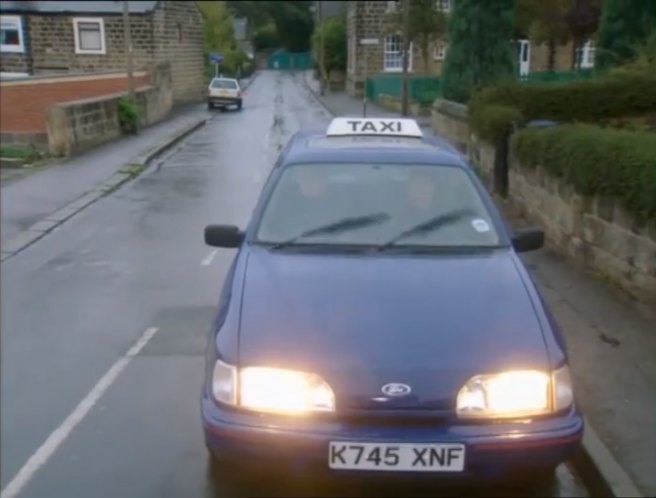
x,y
102,98
55,77
451,108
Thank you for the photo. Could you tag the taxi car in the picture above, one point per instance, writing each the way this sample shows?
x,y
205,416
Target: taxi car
x,y
377,318
224,92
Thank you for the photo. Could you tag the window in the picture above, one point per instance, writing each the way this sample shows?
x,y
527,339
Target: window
x,y
440,51
391,7
226,84
393,54
443,5
89,35
11,34
389,198
585,55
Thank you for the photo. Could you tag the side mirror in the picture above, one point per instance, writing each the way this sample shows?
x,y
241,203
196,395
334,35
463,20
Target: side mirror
x,y
528,239
223,236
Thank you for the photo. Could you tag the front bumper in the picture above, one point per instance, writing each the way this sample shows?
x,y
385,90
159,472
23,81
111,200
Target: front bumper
x,y
493,451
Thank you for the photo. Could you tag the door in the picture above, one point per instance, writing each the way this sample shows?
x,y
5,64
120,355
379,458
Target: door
x,y
524,55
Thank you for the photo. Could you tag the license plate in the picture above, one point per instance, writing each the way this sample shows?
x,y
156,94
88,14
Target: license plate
x,y
446,457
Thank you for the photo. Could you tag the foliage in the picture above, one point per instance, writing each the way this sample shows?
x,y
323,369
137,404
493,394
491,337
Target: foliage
x,y
596,161
128,115
626,27
644,60
218,36
495,121
480,52
294,23
335,50
426,24
591,100
28,153
266,37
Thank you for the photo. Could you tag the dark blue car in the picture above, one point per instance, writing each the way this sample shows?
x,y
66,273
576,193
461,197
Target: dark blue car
x,y
377,318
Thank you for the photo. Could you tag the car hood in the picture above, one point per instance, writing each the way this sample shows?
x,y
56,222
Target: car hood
x,y
360,322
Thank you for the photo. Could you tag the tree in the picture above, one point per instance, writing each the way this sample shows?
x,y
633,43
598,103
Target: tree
x,y
218,36
555,22
625,26
266,37
427,24
480,48
294,22
335,49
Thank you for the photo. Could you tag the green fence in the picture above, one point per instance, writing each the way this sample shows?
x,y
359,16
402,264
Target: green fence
x,y
421,89
557,76
284,60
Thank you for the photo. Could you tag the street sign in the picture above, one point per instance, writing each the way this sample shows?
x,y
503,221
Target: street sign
x,y
216,58
369,41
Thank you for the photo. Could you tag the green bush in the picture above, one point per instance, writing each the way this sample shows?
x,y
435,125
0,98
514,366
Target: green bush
x,y
596,161
128,115
493,122
603,97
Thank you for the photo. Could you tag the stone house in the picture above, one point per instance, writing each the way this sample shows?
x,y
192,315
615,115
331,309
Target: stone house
x,y
377,19
63,38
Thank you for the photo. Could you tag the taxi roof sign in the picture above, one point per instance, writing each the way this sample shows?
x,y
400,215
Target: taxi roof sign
x,y
390,127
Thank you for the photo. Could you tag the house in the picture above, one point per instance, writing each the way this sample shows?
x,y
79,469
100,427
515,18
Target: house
x,y
63,66
60,38
378,20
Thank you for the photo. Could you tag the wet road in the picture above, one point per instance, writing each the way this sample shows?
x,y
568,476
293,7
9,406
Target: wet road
x,y
104,324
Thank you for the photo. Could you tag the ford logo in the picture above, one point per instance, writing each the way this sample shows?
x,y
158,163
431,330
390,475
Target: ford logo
x,y
395,389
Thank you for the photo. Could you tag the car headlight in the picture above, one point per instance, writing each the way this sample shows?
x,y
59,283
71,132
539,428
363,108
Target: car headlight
x,y
272,390
515,394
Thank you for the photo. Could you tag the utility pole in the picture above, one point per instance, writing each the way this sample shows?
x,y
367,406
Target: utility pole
x,y
406,49
128,47
322,51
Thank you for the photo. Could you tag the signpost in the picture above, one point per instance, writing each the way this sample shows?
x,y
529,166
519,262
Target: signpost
x,y
217,59
366,42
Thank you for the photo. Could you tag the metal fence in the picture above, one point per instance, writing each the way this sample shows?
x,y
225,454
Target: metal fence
x,y
425,89
422,89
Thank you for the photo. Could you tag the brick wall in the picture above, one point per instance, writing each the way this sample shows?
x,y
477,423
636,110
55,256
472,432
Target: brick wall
x,y
23,103
178,35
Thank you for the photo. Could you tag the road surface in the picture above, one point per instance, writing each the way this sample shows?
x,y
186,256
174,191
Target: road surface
x,y
105,320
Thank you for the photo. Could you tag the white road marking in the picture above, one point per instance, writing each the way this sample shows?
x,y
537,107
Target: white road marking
x,y
207,261
59,435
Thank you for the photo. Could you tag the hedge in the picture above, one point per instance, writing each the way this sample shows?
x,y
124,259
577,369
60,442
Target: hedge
x,y
591,100
596,161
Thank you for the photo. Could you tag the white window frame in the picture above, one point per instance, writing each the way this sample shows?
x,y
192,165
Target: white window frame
x,y
16,49
395,69
439,5
587,55
439,52
101,23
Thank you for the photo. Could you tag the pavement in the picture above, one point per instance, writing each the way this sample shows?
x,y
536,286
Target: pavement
x,y
612,345
105,322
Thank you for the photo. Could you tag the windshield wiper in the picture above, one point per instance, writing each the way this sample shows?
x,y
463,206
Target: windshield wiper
x,y
337,226
430,225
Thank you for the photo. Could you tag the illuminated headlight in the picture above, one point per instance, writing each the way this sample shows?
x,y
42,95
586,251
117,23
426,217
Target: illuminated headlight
x,y
515,394
272,390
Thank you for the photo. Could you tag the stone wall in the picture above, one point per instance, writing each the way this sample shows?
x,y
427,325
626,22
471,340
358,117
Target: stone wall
x,y
370,19
395,104
178,35
595,232
81,124
53,44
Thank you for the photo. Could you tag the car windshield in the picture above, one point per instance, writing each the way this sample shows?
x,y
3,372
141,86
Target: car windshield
x,y
227,84
383,205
